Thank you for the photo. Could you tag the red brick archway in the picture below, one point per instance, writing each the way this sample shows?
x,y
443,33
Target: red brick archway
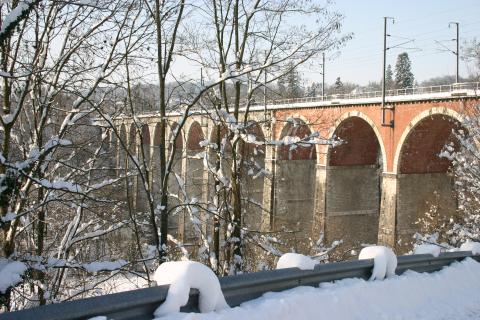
x,y
296,128
420,151
194,137
360,145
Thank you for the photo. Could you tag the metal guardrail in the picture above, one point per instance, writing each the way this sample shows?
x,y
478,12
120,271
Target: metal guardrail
x,y
456,87
140,304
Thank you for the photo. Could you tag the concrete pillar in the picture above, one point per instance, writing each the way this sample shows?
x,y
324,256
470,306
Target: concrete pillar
x,y
388,210
207,226
419,194
118,157
318,225
269,190
295,202
181,216
135,178
352,205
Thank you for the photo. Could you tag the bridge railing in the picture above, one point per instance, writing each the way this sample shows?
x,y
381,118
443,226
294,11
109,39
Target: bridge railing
x,y
456,87
140,304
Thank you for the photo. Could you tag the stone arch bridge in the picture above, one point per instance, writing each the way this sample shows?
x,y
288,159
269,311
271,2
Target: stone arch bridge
x,y
372,189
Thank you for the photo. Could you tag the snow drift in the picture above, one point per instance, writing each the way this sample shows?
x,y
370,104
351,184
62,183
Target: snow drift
x,y
432,249
384,261
296,260
472,246
184,275
451,293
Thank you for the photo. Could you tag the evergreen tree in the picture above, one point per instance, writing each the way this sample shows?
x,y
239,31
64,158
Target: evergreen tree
x,y
403,73
389,84
471,54
338,85
289,85
315,89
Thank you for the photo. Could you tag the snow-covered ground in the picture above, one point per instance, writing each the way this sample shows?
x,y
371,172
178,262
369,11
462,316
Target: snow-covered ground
x,y
451,293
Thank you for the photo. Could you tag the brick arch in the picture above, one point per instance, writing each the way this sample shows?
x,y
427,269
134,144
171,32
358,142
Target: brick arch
x,y
296,127
223,134
194,137
426,122
365,130
253,128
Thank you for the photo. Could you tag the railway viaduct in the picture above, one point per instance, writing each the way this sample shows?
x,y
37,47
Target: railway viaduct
x,y
373,188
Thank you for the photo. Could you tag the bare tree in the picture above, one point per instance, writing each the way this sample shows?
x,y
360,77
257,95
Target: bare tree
x,y
59,59
251,38
70,74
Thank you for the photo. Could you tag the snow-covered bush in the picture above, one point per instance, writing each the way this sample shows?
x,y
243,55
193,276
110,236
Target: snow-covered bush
x,y
466,170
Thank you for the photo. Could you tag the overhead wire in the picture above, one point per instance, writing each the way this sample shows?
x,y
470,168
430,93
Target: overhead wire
x,y
422,41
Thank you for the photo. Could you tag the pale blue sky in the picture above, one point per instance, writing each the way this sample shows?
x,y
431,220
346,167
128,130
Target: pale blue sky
x,y
424,20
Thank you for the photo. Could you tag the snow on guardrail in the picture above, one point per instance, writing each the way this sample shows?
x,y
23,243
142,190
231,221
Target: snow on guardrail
x,y
141,304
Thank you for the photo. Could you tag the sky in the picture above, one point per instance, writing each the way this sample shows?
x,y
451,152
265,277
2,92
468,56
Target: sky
x,y
360,60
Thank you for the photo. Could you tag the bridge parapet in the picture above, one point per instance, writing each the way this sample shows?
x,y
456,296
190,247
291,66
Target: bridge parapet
x,y
467,89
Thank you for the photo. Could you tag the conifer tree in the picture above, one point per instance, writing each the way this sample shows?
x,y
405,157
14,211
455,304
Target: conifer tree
x,y
290,84
338,85
403,74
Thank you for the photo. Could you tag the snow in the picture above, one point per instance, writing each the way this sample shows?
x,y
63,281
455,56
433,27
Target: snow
x,y
15,14
55,141
474,247
296,260
385,261
8,118
10,216
61,185
432,249
104,265
451,293
10,273
5,74
184,275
